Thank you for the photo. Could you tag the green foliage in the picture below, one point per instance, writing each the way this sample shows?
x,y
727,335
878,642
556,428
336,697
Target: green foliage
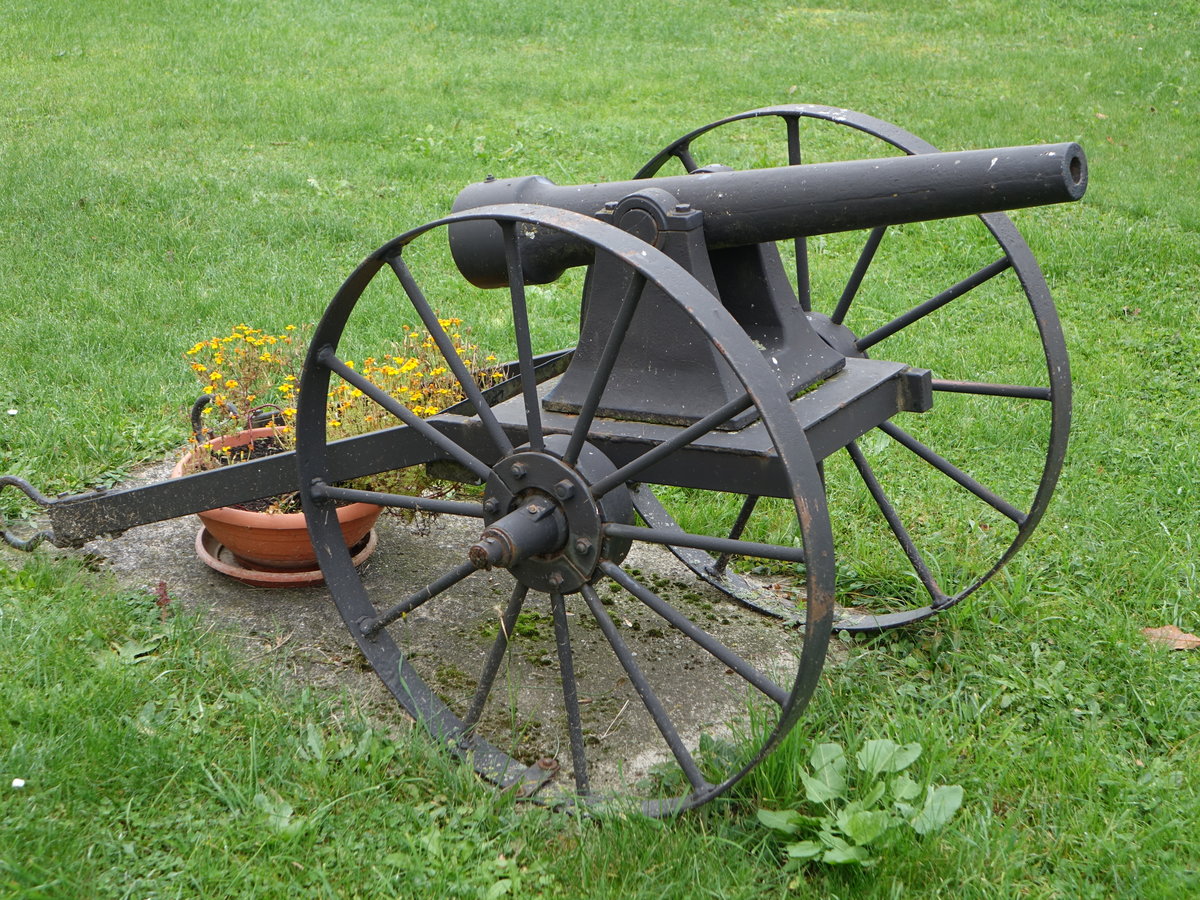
x,y
151,762
860,813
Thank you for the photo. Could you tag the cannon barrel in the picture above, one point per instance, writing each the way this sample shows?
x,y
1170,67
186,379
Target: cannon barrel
x,y
761,205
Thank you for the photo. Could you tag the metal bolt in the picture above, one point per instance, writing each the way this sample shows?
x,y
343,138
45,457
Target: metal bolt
x,y
518,470
555,579
491,506
683,207
564,490
583,545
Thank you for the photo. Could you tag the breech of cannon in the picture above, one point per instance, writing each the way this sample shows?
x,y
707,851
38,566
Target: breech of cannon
x,y
741,208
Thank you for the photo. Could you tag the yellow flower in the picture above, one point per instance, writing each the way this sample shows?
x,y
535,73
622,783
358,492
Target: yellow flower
x,y
231,384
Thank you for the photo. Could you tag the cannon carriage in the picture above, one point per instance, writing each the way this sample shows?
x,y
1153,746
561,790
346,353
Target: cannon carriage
x,y
717,388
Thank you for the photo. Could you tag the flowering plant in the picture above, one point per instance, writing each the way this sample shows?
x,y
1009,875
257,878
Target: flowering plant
x,y
250,378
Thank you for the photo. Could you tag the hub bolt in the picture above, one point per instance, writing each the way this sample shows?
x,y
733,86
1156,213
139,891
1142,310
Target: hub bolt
x,y
564,490
583,545
518,470
555,579
491,506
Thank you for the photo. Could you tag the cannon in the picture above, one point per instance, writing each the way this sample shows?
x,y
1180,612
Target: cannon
x,y
751,384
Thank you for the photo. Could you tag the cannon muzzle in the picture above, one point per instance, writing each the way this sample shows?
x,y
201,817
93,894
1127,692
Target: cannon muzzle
x,y
761,205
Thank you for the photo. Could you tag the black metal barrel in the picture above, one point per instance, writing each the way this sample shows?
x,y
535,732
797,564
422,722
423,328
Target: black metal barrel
x,y
761,205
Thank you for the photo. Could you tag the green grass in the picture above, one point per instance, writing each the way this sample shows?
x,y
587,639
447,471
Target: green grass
x,y
167,171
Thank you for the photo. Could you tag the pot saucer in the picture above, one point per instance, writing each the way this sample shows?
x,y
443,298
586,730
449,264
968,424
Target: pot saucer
x,y
216,556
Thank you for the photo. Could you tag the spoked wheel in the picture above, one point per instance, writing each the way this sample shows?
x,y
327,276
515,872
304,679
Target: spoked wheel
x,y
541,629
927,506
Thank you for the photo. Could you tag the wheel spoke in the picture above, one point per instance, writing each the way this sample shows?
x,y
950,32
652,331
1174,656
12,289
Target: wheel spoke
x,y
684,154
987,389
371,627
739,525
952,471
508,621
604,367
516,289
897,526
566,669
649,699
327,358
856,277
671,537
630,470
698,635
399,501
920,311
800,244
467,380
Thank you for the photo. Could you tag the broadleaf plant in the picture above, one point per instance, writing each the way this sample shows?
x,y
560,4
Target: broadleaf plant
x,y
854,817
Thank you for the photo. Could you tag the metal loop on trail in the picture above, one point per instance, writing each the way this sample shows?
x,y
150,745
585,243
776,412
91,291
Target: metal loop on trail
x,y
30,543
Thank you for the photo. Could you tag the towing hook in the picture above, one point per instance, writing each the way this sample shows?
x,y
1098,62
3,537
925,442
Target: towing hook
x,y
26,544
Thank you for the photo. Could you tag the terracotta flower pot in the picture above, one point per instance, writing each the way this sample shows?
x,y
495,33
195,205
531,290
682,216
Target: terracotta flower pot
x,y
277,541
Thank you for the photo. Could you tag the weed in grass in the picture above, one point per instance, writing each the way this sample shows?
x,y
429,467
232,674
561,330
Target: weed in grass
x,y
854,822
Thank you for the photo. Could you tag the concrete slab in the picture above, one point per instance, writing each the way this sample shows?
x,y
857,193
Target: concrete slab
x,y
299,629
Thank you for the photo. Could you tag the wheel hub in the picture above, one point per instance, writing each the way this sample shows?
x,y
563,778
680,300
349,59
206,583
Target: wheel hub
x,y
542,523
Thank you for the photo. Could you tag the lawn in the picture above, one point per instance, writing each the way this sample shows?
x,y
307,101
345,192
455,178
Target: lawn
x,y
170,170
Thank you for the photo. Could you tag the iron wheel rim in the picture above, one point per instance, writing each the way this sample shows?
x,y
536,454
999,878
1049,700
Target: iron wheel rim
x,y
385,654
1057,389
